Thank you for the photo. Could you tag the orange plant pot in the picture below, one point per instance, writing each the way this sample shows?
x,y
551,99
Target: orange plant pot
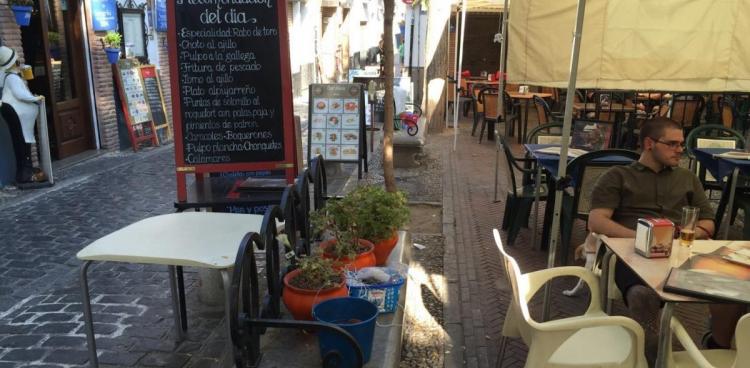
x,y
362,260
300,302
384,248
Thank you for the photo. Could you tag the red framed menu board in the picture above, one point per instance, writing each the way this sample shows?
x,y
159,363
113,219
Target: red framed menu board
x,y
133,98
232,104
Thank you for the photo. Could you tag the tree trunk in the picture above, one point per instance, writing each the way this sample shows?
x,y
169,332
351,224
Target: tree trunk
x,y
388,173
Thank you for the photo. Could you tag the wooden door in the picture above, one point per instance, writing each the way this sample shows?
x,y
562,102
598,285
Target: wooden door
x,y
69,90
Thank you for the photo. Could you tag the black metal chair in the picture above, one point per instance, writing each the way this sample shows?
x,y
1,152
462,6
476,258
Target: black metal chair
x,y
512,115
545,134
477,105
708,136
582,173
519,197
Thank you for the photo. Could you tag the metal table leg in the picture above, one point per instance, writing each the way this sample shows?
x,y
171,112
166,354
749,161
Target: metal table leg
x,y
725,223
182,300
665,335
176,303
537,195
227,280
87,317
604,280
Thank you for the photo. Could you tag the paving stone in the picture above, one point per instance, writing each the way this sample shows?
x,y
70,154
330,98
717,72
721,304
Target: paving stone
x,y
65,341
124,309
56,317
117,299
24,355
46,308
16,329
20,341
57,328
120,358
164,360
203,363
67,357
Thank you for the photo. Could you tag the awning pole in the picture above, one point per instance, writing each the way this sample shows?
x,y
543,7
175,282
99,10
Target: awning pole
x,y
501,90
562,166
458,70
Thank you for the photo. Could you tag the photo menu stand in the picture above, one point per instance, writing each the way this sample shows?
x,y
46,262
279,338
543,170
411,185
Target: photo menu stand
x,y
233,107
337,124
130,89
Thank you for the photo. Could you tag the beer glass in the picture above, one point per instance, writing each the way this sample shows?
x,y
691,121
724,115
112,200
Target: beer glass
x,y
687,226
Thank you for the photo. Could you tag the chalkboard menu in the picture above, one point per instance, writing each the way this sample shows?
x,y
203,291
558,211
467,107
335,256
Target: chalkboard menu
x,y
337,122
155,100
232,106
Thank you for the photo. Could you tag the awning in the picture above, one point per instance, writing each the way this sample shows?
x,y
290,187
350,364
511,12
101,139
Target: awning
x,y
676,45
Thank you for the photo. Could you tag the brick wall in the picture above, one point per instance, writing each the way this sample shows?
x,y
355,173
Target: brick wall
x,y
104,90
161,38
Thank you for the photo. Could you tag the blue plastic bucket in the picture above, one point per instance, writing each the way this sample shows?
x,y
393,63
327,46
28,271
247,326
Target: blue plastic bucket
x,y
356,316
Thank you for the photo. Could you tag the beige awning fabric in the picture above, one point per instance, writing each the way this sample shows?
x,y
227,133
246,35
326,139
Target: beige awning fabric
x,y
677,45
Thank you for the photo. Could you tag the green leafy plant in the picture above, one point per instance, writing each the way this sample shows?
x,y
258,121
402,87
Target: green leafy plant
x,y
333,220
53,38
112,40
21,2
375,212
316,273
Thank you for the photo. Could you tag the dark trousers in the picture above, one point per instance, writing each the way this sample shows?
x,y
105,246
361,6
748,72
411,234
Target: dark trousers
x,y
21,149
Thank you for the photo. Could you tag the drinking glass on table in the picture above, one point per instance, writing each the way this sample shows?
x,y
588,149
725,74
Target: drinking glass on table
x,y
687,225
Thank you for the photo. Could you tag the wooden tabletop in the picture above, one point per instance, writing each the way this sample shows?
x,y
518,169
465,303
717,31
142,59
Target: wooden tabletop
x,y
654,271
528,96
613,107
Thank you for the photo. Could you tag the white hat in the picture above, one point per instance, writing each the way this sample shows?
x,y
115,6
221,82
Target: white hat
x,y
7,58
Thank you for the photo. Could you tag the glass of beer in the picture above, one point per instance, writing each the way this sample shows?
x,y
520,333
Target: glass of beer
x,y
687,226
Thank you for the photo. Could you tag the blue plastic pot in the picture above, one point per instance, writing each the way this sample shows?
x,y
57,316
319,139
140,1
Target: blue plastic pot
x,y
22,13
356,316
112,55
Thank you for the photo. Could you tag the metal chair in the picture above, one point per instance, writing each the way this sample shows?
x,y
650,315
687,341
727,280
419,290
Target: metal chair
x,y
477,104
583,172
519,197
488,97
686,109
568,342
549,133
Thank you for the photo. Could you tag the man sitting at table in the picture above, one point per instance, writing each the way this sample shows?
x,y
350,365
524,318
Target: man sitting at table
x,y
655,186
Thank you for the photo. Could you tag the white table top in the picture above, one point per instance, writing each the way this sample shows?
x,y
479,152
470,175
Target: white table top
x,y
199,239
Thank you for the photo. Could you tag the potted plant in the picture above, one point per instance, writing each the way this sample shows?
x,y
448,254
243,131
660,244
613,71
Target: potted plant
x,y
344,245
378,215
111,43
314,281
22,10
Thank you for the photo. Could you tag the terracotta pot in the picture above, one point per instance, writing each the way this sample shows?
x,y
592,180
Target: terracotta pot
x,y
300,302
383,249
362,260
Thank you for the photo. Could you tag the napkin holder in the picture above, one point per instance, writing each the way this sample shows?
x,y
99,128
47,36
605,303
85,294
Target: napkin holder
x,y
653,237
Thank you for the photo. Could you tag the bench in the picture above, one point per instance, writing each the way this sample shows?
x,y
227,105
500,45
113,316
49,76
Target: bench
x,y
406,147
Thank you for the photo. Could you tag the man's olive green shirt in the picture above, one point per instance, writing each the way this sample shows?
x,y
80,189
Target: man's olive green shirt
x,y
635,191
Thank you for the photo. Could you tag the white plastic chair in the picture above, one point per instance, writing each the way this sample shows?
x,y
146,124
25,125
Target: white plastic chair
x,y
694,357
593,339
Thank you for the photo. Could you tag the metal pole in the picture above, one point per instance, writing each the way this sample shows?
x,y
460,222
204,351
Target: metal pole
x,y
501,90
458,69
562,166
455,77
411,41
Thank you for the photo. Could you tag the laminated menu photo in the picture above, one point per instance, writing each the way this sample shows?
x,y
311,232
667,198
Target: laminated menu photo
x,y
722,275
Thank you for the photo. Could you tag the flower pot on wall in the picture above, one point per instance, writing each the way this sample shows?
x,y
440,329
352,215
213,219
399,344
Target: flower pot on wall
x,y
361,260
300,302
112,55
383,249
22,13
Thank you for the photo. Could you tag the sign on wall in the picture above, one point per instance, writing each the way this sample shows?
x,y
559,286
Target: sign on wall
x,y
160,12
104,15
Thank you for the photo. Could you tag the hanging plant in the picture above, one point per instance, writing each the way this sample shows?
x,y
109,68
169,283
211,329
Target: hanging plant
x,y
112,41
22,10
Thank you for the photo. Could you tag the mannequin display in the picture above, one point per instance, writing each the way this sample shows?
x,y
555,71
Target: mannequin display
x,y
19,109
